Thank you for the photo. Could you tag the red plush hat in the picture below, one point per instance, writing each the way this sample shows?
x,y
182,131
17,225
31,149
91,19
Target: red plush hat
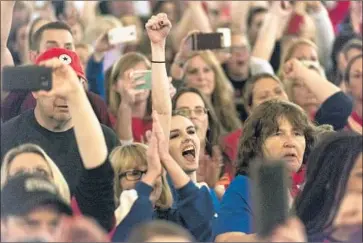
x,y
66,56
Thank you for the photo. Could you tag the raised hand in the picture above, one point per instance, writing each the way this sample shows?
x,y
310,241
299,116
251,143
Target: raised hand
x,y
282,9
145,139
65,81
153,158
160,136
102,44
127,88
294,69
184,50
210,167
158,28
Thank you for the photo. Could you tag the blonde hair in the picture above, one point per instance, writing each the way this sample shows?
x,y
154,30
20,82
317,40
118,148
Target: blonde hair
x,y
125,62
222,97
290,50
56,175
126,157
99,26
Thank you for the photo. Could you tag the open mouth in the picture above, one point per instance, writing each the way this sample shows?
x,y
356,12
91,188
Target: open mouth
x,y
189,153
241,63
291,156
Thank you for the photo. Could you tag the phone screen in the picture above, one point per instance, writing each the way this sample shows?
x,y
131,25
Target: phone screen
x,y
145,76
122,35
208,41
26,78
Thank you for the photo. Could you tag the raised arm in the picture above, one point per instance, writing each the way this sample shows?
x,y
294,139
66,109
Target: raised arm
x,y
335,107
322,88
274,22
176,173
158,28
89,11
140,209
90,139
7,8
324,30
194,17
239,12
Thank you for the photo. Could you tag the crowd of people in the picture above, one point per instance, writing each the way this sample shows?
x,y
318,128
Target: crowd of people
x,y
107,156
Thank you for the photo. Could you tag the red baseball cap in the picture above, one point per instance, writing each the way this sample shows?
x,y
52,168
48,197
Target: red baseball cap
x,y
66,56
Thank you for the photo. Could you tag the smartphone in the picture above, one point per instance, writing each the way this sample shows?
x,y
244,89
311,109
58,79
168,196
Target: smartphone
x,y
144,75
295,24
122,35
270,195
226,37
27,78
205,41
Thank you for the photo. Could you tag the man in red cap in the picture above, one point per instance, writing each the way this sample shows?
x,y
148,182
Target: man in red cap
x,y
50,124
54,34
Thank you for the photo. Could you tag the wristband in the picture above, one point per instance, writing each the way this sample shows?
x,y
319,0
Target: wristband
x,y
157,61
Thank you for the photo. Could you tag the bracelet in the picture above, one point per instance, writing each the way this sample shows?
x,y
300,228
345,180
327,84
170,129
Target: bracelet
x,y
158,62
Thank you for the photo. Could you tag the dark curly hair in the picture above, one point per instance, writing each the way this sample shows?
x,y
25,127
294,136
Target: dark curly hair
x,y
263,122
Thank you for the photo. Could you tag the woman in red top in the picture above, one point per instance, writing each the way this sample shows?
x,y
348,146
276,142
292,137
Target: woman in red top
x,y
130,106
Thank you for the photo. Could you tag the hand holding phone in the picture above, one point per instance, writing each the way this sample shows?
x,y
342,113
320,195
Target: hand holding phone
x,y
27,78
122,35
226,37
144,75
205,41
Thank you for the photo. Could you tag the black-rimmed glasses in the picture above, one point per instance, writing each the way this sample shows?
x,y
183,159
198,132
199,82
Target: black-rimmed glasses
x,y
132,175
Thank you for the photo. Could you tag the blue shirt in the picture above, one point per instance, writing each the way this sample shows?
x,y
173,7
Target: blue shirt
x,y
235,213
96,77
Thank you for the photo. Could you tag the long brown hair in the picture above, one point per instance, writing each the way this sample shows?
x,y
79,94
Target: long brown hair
x,y
223,94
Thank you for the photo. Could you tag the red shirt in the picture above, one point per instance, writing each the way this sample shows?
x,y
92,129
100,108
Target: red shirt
x,y
338,13
230,147
354,123
298,179
231,143
139,127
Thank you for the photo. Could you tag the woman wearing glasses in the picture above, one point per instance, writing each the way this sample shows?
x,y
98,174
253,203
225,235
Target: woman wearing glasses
x,y
142,192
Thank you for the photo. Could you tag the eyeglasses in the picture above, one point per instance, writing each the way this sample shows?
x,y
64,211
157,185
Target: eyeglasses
x,y
198,111
132,175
